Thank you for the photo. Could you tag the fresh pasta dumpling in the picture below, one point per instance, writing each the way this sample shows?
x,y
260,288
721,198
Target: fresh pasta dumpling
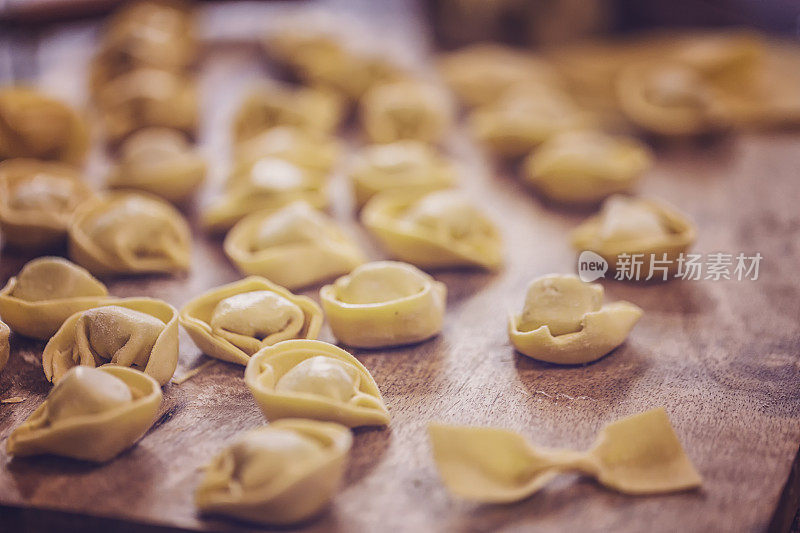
x,y
159,161
46,292
92,414
37,200
652,230
34,125
440,229
564,321
5,348
141,333
407,109
384,303
278,474
294,247
317,380
586,166
234,321
400,166
129,233
306,150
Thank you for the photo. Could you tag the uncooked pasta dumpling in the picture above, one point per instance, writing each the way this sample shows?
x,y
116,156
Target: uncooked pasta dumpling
x,y
317,380
5,348
282,473
304,149
129,233
141,333
234,321
37,200
46,292
92,414
564,321
159,161
440,229
384,303
294,247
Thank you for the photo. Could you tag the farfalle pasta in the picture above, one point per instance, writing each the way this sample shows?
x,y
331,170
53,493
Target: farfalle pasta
x,y
637,455
384,303
92,414
586,166
316,153
278,474
46,292
234,321
294,247
37,200
5,347
565,322
159,161
128,233
141,333
317,380
440,229
400,166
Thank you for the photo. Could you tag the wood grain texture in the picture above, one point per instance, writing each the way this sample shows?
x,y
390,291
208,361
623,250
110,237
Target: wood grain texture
x,y
721,356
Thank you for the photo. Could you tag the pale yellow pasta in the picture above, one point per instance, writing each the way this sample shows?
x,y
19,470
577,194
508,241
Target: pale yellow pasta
x,y
5,348
313,152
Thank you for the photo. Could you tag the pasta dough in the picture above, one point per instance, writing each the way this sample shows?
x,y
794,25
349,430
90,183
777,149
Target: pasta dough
x,y
278,474
440,229
294,247
564,322
37,200
234,321
317,380
5,348
316,153
129,233
92,414
134,332
46,292
636,455
384,303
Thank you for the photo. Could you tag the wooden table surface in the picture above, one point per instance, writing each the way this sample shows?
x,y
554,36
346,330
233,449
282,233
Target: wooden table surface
x,y
720,356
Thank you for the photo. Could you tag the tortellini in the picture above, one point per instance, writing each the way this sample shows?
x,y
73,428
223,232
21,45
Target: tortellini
x,y
440,229
5,348
37,200
384,303
234,321
650,229
406,110
135,332
564,321
129,233
294,247
92,414
317,380
282,473
159,161
586,166
34,125
399,166
46,292
313,152
637,455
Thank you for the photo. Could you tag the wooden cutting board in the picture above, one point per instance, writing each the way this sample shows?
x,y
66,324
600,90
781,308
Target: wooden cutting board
x,y
720,356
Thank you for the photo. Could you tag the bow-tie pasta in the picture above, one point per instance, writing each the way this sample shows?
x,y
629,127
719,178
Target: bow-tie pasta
x,y
5,348
441,229
283,473
313,152
135,332
401,166
564,321
294,247
652,230
129,233
586,167
92,414
159,161
314,379
384,303
37,200
406,110
35,125
234,321
46,292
